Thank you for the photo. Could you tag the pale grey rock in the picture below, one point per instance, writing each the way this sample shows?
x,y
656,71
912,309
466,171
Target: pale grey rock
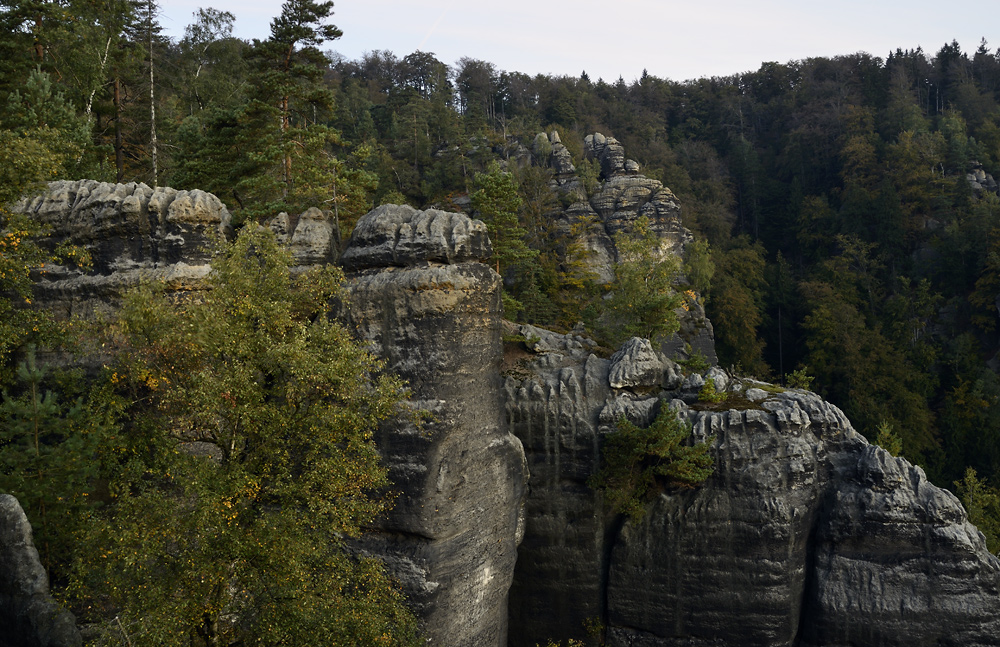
x,y
631,166
756,395
554,137
693,383
719,378
561,163
313,237
29,617
432,313
399,235
635,364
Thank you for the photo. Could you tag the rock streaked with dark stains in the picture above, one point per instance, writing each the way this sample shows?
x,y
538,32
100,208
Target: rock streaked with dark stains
x,y
805,533
452,536
29,617
133,234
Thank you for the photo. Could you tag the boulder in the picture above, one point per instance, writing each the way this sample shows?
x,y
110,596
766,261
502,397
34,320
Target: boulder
x,y
29,617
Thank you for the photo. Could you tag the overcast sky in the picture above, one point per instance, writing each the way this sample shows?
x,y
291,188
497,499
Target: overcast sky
x,y
612,38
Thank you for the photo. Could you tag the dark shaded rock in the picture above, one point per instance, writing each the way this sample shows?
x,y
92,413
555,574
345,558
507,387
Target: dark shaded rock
x,y
453,533
29,617
805,534
133,234
908,544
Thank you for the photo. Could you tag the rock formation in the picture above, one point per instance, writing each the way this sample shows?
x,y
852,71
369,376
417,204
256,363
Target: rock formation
x,y
431,310
626,195
28,615
805,534
133,233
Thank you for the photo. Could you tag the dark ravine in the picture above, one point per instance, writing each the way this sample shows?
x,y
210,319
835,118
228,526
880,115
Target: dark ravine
x,y
805,534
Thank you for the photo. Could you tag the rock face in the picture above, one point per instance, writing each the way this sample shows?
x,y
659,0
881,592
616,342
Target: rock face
x,y
804,535
132,232
28,615
313,237
626,195
432,311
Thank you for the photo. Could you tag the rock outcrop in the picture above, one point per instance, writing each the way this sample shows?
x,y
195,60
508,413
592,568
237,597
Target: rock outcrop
x,y
431,310
804,535
627,195
133,234
313,237
29,617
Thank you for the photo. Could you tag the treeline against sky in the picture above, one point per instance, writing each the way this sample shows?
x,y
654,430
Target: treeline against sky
x,y
838,231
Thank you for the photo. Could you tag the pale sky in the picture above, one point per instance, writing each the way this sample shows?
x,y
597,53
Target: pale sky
x,y
669,38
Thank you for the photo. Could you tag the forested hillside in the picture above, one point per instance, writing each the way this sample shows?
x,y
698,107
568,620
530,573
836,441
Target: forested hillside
x,y
847,225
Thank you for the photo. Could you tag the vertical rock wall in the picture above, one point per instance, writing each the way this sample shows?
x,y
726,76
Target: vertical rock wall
x,y
804,535
431,310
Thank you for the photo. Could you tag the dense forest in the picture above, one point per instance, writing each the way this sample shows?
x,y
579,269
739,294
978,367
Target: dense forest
x,y
847,226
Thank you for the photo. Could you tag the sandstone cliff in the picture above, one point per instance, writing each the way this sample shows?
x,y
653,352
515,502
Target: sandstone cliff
x,y
431,310
804,535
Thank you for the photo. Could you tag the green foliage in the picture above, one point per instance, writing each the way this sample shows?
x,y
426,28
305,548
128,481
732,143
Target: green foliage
x,y
640,462
695,362
888,439
642,299
698,265
982,502
708,393
244,462
799,379
497,202
47,460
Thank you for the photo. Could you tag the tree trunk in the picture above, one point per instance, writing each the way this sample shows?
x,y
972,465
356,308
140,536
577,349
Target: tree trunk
x,y
152,101
119,152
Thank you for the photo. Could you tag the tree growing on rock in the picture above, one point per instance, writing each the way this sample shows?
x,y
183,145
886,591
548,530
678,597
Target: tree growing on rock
x,y
244,463
642,299
641,461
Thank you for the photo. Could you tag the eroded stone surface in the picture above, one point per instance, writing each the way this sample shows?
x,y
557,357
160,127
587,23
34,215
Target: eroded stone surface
x,y
395,235
133,234
452,536
805,534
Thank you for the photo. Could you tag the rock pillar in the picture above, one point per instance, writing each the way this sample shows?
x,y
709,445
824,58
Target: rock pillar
x,y
427,305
